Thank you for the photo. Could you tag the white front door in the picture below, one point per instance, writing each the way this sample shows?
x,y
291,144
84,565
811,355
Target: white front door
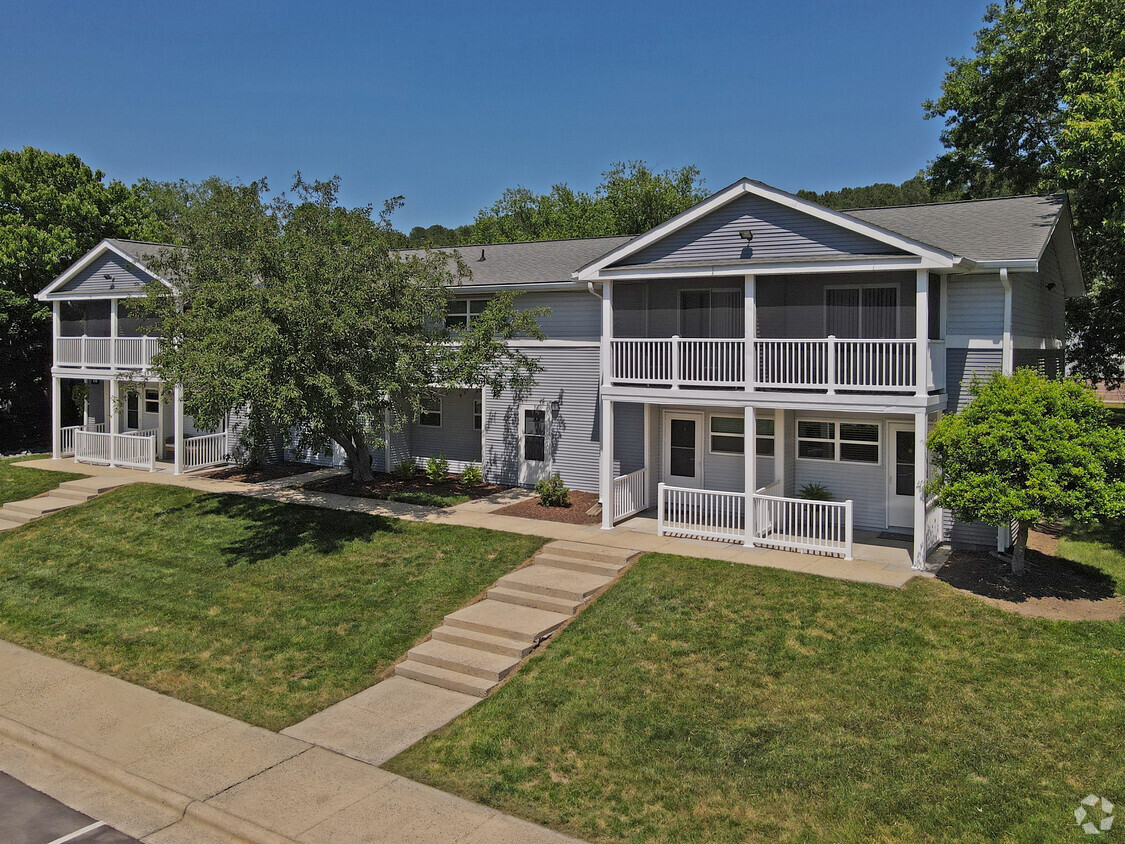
x,y
534,443
683,449
900,476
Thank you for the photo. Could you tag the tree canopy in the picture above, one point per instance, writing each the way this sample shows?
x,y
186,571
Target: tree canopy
x,y
1039,108
299,310
914,191
1029,449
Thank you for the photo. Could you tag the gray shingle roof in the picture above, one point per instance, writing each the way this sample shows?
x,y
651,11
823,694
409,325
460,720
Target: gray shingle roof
x,y
531,261
142,250
1010,228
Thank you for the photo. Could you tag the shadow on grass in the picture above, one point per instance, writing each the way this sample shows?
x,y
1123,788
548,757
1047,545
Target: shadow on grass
x,y
1046,577
271,529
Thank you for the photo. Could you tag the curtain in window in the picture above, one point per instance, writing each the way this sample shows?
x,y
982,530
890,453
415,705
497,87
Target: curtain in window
x,y
842,305
880,312
727,313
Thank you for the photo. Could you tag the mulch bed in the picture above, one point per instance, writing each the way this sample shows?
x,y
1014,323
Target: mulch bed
x,y
384,485
1051,588
575,514
266,472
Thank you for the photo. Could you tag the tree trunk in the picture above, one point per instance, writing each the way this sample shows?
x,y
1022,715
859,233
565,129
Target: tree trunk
x,y
359,455
1018,550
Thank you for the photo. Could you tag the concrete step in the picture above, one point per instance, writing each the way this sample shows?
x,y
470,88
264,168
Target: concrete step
x,y
466,660
95,484
16,516
531,599
510,621
453,680
79,495
578,564
482,641
555,582
7,524
36,507
586,551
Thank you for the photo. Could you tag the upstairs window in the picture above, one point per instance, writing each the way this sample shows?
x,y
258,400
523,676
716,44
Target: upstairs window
x,y
462,312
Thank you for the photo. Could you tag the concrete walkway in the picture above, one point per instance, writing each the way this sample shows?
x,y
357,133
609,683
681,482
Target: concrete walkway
x,y
876,561
168,772
67,494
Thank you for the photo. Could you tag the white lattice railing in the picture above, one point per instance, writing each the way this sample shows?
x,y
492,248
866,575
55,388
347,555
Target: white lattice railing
x,y
700,513
134,450
119,352
204,451
794,524
629,494
66,438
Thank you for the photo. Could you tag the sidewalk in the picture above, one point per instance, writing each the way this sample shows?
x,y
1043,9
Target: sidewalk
x,y
168,772
880,563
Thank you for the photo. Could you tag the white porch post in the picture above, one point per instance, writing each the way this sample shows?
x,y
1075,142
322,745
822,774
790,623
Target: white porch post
x,y
779,421
113,332
606,485
922,333
920,466
750,333
750,472
607,333
56,332
648,449
178,428
56,417
114,406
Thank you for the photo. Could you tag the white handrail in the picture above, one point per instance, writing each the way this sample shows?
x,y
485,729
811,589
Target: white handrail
x,y
66,438
629,494
99,352
700,513
204,451
794,524
134,451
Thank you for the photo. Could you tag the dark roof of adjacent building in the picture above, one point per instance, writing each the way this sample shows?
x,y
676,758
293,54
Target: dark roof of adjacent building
x,y
142,250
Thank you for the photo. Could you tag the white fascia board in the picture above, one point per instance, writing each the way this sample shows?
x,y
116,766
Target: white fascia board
x,y
816,402
85,261
804,267
540,286
942,258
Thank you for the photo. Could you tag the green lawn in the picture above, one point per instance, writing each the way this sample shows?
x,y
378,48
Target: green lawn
x,y
17,483
703,701
267,612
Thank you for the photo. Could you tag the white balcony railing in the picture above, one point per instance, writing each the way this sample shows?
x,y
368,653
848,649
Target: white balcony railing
x,y
699,513
136,450
106,352
66,439
828,364
629,494
204,451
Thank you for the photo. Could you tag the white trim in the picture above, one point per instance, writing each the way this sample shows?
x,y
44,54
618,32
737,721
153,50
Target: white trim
x,y
710,433
838,441
547,344
85,261
995,342
642,273
746,186
547,462
902,403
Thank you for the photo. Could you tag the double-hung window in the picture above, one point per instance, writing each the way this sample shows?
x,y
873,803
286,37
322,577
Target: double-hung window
x,y
461,312
152,401
430,417
478,415
840,442
728,435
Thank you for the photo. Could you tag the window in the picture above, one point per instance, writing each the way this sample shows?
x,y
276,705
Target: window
x,y
764,434
461,312
152,401
711,313
534,434
430,416
869,313
478,415
132,412
727,435
844,442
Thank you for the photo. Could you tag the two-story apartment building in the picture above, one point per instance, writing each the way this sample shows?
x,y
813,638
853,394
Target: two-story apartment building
x,y
821,344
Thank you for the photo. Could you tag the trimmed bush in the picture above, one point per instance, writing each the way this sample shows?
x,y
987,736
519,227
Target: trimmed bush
x,y
553,492
472,475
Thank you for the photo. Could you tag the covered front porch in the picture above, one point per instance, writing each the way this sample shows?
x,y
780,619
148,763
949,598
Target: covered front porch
x,y
821,481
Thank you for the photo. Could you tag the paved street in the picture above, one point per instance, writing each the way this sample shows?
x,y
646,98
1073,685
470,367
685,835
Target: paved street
x,y
28,816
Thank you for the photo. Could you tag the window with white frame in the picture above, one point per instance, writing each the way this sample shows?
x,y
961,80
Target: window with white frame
x,y
461,312
728,435
478,415
764,437
840,442
152,401
430,417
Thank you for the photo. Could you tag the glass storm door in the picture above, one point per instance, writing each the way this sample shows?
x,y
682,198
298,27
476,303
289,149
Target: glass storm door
x,y
900,480
534,458
683,450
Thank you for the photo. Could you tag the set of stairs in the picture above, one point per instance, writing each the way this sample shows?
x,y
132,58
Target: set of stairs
x,y
479,645
67,494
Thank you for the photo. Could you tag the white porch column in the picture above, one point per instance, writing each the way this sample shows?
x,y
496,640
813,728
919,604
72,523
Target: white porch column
x,y
750,472
178,428
750,333
921,464
779,420
56,332
606,486
1006,355
114,406
922,333
607,332
56,417
648,448
113,332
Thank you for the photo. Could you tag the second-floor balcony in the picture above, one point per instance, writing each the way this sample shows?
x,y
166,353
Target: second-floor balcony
x,y
106,352
827,365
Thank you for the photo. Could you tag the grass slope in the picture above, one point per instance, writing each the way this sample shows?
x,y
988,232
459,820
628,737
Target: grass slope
x,y
17,483
703,701
267,612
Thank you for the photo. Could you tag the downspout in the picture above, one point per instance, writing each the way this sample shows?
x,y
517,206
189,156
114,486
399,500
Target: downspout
x,y
590,287
1006,345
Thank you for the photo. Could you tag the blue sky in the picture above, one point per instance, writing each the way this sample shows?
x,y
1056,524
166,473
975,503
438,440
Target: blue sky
x,y
449,103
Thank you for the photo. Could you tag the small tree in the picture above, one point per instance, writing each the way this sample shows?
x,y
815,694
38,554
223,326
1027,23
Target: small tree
x,y
1028,449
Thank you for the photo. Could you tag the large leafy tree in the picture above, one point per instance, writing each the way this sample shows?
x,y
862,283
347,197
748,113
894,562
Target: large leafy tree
x,y
1029,449
1037,108
300,310
53,208
913,191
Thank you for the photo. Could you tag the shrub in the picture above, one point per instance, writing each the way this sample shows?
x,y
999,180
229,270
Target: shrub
x,y
472,475
553,492
816,492
404,470
437,468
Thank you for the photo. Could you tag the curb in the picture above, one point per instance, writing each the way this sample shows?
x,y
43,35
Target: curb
x,y
178,806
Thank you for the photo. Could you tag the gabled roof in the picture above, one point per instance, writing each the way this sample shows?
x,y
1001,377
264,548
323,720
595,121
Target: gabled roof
x,y
133,252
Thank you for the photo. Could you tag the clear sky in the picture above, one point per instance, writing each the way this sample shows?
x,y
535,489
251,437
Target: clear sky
x,y
448,103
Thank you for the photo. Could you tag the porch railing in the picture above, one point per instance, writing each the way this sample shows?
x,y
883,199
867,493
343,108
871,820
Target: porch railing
x,y
135,450
112,352
204,451
791,524
629,494
66,440
828,364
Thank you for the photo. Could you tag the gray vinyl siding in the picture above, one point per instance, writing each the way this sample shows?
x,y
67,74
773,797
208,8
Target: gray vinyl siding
x,y
960,366
793,307
779,232
456,439
1047,362
976,306
96,401
398,443
570,376
1036,311
575,315
124,279
628,438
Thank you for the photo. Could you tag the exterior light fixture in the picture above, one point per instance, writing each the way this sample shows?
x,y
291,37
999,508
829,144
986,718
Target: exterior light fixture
x,y
746,234
555,405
